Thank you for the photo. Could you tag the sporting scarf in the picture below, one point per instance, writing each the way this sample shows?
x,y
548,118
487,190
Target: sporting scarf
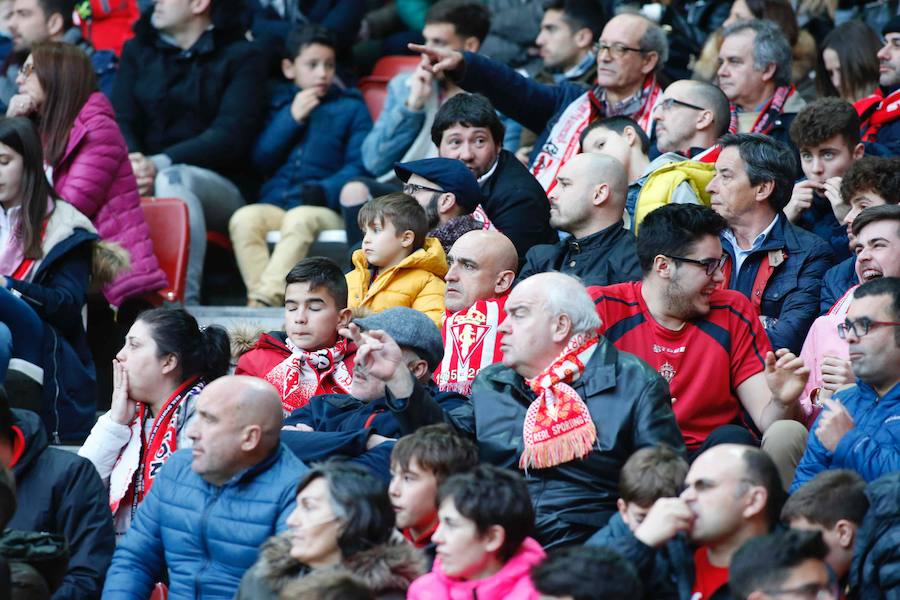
x,y
766,119
301,375
563,140
876,111
558,426
471,343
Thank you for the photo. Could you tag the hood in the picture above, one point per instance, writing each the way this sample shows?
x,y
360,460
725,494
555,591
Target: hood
x,y
430,257
36,440
500,584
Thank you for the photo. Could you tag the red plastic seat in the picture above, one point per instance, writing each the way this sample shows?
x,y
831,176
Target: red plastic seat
x,y
167,219
374,91
388,66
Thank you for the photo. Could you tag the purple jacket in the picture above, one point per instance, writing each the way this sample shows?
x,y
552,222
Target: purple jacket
x,y
95,176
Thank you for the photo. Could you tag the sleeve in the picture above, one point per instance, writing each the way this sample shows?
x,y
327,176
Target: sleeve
x,y
93,168
104,444
394,131
277,139
816,458
314,446
359,128
860,451
430,299
421,408
750,344
128,113
654,420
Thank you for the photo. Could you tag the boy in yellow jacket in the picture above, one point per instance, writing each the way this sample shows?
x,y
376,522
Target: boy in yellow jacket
x,y
397,265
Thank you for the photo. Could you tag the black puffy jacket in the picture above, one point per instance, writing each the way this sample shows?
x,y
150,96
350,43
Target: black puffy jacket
x,y
875,570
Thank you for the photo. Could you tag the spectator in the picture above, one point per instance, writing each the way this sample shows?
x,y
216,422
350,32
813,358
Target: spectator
x,y
705,341
882,124
59,493
684,546
309,357
833,503
784,563
211,508
309,149
622,139
632,51
482,540
857,429
397,265
88,158
342,524
584,573
158,374
420,463
550,318
754,72
514,25
588,202
691,136
187,97
482,268
827,134
874,573
399,349
467,128
777,265
848,63
270,22
46,266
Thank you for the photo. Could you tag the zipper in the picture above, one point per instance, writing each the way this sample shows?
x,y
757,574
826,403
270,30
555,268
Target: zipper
x,y
204,521
56,439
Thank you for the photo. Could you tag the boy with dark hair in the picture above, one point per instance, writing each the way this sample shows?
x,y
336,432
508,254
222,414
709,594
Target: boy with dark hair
x,y
826,132
780,564
397,265
420,463
584,573
309,357
308,150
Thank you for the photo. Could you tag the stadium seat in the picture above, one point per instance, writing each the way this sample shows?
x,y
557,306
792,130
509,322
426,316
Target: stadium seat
x,y
374,91
389,66
167,219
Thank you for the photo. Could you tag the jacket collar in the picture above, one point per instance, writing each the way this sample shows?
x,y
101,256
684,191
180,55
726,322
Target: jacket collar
x,y
254,471
604,237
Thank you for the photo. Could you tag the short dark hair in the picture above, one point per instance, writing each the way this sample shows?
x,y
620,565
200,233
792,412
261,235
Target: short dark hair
x,y
765,159
65,8
672,230
823,119
765,561
468,110
580,14
587,573
761,470
874,214
618,125
884,286
489,495
829,497
359,501
436,448
401,210
469,18
879,174
307,35
651,473
320,272
205,352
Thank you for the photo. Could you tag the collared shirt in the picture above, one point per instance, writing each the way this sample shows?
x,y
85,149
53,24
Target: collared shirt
x,y
740,255
483,179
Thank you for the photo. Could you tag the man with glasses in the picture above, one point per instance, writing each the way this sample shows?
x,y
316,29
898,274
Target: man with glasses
x,y
690,117
725,381
860,425
630,52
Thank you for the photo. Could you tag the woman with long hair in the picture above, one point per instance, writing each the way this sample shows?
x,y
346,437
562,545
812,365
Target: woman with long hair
x,y
87,156
848,64
158,375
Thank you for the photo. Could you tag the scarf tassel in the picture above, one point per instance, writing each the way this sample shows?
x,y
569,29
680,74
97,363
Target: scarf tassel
x,y
568,446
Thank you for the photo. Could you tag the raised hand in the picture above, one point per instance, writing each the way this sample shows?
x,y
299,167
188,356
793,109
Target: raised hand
x,y
665,519
438,60
305,101
801,199
122,409
786,376
420,88
833,424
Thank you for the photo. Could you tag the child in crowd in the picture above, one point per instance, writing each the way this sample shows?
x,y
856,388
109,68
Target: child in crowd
x,y
397,265
482,540
309,357
310,148
420,462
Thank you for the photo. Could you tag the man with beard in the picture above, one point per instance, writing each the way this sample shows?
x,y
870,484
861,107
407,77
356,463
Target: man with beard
x,y
880,112
708,343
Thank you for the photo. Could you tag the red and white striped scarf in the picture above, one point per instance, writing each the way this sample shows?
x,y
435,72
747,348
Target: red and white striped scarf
x,y
471,343
766,119
876,111
304,374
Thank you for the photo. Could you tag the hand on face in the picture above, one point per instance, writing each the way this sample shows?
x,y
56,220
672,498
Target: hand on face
x,y
21,105
122,409
667,518
305,101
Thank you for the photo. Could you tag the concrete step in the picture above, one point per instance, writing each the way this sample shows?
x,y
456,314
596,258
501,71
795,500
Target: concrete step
x,y
267,319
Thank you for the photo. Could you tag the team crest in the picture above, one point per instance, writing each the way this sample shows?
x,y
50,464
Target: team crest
x,y
468,331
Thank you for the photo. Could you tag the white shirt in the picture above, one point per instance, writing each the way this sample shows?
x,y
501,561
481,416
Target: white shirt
x,y
740,255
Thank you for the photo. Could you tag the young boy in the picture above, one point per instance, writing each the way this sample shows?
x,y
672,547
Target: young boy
x,y
309,357
397,265
309,149
420,462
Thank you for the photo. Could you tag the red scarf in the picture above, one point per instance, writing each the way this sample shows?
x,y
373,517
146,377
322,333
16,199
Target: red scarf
x,y
766,119
302,375
876,111
471,343
558,426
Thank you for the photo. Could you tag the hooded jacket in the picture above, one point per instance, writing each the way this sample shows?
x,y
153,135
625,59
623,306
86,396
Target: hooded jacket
x,y
59,492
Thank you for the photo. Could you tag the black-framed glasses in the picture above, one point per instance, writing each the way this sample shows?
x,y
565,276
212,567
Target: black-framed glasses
x,y
617,50
861,326
668,103
811,591
410,189
710,264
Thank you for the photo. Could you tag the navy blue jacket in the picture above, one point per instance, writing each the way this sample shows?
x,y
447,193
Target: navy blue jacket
x,y
819,218
791,297
324,150
838,279
59,492
875,571
202,535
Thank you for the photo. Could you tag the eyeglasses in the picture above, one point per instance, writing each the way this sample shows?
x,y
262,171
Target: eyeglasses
x,y
710,264
410,189
860,327
616,50
26,70
668,103
813,591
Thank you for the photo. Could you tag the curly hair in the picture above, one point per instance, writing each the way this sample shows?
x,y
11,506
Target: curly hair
x,y
823,119
877,174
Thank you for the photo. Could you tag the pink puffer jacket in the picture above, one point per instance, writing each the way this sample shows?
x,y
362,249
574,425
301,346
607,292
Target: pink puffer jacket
x,y
95,176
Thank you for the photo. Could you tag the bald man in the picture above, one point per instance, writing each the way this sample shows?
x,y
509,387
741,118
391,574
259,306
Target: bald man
x,y
212,506
482,270
588,202
690,117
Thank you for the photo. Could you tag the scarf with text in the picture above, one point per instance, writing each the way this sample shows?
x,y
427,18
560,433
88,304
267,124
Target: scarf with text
x,y
558,426
471,343
875,111
304,374
766,119
564,138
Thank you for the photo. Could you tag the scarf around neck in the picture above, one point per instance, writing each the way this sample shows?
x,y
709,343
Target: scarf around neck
x,y
300,376
766,119
558,427
876,111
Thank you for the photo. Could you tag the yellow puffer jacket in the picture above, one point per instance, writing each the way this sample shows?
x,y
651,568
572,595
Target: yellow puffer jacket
x,y
661,184
417,282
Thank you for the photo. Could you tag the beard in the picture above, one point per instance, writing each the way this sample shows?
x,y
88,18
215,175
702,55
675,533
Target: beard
x,y
680,304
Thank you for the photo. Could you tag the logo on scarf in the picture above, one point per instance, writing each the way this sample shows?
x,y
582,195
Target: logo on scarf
x,y
468,331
